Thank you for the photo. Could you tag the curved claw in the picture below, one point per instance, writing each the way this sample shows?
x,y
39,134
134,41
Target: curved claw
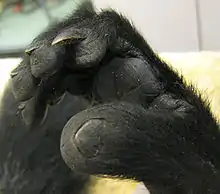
x,y
68,34
29,50
13,73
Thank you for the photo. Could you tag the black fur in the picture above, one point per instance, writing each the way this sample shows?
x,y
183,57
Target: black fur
x,y
139,120
30,161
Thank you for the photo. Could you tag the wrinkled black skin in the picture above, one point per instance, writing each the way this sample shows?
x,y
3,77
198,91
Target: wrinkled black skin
x,y
141,120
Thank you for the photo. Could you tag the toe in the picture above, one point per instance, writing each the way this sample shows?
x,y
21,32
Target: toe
x,y
46,61
98,140
23,83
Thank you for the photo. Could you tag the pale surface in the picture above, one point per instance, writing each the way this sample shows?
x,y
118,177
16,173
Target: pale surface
x,y
202,69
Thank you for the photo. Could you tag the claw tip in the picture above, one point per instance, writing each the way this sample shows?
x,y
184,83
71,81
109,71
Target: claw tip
x,y
28,51
59,39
